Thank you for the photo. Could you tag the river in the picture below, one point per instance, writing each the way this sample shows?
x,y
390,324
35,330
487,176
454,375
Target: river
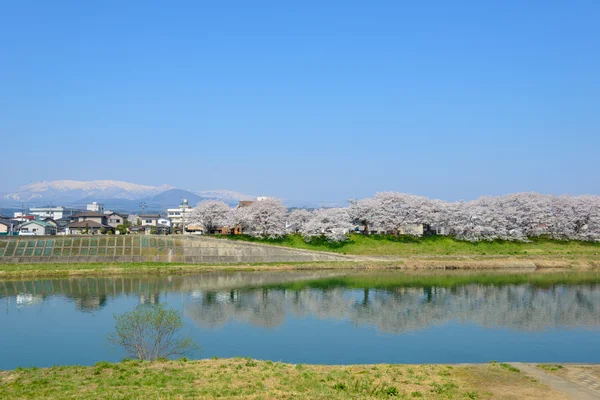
x,y
327,317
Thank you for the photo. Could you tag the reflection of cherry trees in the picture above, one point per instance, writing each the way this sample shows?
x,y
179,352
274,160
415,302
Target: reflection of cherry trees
x,y
214,299
519,307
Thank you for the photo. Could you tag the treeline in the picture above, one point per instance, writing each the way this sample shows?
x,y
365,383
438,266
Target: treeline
x,y
512,217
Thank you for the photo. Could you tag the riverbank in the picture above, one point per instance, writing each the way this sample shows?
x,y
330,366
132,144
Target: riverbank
x,y
475,263
253,379
411,246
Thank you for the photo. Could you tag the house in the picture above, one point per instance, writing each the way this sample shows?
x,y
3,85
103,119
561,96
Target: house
x,y
177,215
37,227
21,217
52,212
149,219
162,227
61,224
88,221
51,222
115,219
8,226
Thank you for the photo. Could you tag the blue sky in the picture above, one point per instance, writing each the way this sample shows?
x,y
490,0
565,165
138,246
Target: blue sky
x,y
310,100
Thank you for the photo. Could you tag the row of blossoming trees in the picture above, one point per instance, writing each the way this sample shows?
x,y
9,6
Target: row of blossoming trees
x,y
512,217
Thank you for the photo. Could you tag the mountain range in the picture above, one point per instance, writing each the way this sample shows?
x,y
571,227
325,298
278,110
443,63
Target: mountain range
x,y
116,195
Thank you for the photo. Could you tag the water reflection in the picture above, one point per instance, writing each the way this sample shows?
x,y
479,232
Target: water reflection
x,y
263,300
407,309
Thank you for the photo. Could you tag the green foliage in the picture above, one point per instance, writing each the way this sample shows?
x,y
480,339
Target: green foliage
x,y
391,391
150,332
550,367
444,388
123,228
153,230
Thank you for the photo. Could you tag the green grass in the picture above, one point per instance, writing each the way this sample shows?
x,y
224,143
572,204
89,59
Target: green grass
x,y
387,245
550,367
125,268
253,379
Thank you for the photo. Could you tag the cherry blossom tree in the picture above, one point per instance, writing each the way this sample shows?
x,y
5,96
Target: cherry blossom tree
x,y
394,212
296,220
265,218
210,214
364,213
333,223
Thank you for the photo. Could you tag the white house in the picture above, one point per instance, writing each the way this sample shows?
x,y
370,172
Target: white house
x,y
176,215
95,206
52,212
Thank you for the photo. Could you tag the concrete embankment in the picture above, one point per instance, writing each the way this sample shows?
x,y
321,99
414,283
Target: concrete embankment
x,y
149,248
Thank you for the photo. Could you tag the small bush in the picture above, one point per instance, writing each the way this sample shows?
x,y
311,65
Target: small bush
x,y
550,367
391,391
509,367
443,388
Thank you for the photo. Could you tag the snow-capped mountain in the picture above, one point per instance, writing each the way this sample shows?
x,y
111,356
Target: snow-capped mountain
x,y
225,195
116,195
70,191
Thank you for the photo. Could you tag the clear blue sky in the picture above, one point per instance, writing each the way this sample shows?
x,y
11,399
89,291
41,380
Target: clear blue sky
x,y
316,100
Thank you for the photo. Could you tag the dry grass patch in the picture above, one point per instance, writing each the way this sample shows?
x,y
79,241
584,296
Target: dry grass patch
x,y
502,381
572,372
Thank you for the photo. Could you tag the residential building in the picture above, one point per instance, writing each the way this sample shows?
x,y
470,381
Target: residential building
x,y
61,224
37,227
23,217
8,226
115,219
90,221
149,219
95,206
51,222
159,228
52,212
177,215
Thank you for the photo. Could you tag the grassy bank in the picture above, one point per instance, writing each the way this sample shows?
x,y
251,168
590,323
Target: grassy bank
x,y
474,263
384,281
107,269
252,379
406,246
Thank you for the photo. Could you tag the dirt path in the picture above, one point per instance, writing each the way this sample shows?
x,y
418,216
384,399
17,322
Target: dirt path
x,y
583,386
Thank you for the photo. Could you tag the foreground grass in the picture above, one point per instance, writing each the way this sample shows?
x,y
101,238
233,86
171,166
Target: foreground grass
x,y
252,379
386,245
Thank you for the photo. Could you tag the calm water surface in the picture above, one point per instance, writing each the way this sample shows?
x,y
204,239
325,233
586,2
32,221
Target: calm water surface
x,y
312,317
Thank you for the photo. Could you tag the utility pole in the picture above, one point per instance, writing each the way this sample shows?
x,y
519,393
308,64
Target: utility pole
x,y
143,206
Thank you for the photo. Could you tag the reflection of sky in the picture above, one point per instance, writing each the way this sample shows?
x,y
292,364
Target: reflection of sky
x,y
314,326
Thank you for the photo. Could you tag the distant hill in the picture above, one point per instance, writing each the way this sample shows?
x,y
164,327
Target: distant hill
x,y
115,195
70,191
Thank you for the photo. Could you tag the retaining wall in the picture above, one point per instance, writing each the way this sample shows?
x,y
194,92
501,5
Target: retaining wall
x,y
148,248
